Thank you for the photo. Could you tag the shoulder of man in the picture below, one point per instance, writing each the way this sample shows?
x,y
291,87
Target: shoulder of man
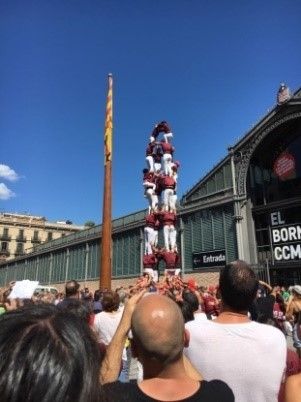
x,y
216,390
272,336
119,391
194,325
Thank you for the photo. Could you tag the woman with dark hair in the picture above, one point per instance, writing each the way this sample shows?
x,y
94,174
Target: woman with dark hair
x,y
47,355
186,310
192,299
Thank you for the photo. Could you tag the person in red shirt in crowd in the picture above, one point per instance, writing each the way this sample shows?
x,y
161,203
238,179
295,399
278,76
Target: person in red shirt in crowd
x,y
149,184
149,233
279,312
211,303
168,221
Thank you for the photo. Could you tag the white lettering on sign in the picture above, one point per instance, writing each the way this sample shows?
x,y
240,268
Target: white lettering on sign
x,y
291,252
276,219
214,258
283,235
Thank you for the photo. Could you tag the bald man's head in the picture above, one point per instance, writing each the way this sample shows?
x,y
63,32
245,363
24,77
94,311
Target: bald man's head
x,y
158,329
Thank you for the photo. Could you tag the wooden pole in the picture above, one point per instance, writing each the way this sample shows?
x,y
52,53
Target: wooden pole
x,y
105,269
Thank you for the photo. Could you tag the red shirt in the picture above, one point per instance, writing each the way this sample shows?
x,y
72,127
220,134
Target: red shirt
x,y
149,176
150,149
170,258
278,314
167,148
159,188
157,224
150,220
149,261
168,182
158,155
155,132
168,218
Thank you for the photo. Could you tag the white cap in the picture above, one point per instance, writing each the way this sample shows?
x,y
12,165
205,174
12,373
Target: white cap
x,y
297,289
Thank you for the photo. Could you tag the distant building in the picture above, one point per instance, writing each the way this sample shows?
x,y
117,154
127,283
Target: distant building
x,y
20,234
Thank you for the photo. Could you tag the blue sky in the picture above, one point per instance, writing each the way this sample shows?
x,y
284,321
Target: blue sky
x,y
210,68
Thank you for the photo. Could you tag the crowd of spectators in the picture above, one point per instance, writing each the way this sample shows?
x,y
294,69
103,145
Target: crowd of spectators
x,y
183,341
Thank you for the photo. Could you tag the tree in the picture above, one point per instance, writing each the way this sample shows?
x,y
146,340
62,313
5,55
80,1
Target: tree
x,y
90,224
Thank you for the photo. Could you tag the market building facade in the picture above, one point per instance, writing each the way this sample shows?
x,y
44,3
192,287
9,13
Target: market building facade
x,y
248,206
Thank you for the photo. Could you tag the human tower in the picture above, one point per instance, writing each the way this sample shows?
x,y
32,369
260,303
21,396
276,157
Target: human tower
x,y
160,188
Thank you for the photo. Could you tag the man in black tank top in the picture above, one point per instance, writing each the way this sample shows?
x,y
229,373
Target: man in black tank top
x,y
159,337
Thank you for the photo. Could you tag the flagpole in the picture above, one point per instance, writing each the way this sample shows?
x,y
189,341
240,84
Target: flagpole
x,y
105,269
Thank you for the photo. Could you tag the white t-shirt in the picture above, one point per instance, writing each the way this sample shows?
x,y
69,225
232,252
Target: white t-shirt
x,y
249,357
200,316
105,325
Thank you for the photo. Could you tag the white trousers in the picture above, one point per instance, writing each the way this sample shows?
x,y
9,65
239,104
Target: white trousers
x,y
167,200
150,195
173,202
150,163
149,238
156,238
166,164
170,237
166,136
152,199
157,166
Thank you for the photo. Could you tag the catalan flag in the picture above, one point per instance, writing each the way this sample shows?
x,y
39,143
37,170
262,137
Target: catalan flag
x,y
109,122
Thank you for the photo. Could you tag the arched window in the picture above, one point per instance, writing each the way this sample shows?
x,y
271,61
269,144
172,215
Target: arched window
x,y
275,168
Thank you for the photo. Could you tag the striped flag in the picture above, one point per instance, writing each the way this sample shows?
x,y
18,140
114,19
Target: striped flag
x,y
109,122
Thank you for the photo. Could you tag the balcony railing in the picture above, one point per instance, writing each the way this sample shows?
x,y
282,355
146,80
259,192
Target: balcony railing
x,y
21,239
5,252
36,240
5,237
19,252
